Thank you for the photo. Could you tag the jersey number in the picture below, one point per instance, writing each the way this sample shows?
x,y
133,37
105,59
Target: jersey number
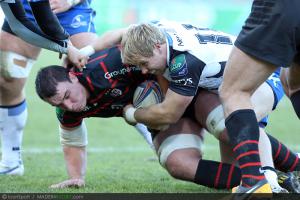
x,y
218,39
204,39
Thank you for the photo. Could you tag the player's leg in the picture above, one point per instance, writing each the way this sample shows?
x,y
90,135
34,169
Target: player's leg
x,y
179,151
16,60
211,115
143,130
244,72
240,81
293,82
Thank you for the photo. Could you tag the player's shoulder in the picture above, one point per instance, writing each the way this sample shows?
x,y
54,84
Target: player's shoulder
x,y
108,54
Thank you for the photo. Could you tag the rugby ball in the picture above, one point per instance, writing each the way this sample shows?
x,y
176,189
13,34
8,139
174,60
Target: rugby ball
x,y
147,93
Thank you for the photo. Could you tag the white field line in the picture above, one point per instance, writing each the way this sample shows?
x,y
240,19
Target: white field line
x,y
138,149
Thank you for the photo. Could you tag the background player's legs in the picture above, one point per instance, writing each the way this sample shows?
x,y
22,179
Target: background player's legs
x,y
17,58
13,97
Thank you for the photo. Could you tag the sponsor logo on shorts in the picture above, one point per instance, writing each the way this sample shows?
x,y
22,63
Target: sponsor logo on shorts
x,y
78,21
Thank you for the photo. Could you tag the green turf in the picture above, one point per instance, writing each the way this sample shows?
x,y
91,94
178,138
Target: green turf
x,y
118,159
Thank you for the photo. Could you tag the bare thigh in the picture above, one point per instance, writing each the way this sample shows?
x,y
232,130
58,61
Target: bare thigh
x,y
11,89
243,75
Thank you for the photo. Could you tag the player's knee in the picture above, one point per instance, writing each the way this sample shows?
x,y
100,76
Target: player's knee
x,y
13,65
76,137
181,163
173,165
176,142
215,122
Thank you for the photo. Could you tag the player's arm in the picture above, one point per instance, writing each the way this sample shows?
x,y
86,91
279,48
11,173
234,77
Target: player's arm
x,y
106,40
167,112
59,6
184,71
74,141
57,40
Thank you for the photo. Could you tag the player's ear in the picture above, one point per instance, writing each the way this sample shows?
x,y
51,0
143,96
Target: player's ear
x,y
157,45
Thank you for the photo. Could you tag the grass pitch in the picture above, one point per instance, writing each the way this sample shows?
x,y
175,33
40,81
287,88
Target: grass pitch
x,y
119,160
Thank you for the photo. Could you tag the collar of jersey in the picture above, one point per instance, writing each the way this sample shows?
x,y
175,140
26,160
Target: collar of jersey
x,y
169,42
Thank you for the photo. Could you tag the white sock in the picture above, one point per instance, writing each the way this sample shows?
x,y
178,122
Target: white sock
x,y
272,178
11,126
142,129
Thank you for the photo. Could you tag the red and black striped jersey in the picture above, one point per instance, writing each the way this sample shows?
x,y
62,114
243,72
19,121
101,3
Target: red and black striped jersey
x,y
110,83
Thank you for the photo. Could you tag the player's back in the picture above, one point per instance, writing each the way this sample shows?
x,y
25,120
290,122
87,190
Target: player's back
x,y
208,45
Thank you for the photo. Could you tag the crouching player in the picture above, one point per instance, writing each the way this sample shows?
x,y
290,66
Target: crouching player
x,y
102,89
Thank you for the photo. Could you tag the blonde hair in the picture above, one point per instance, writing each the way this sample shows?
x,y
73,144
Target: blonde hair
x,y
139,41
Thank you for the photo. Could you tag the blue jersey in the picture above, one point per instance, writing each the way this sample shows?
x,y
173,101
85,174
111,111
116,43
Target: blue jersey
x,y
76,20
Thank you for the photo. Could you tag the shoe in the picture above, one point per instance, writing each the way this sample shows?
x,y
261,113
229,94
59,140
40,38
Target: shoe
x,y
17,170
278,190
260,189
289,181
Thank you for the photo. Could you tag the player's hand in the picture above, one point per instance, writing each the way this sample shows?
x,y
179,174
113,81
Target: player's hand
x,y
77,183
59,6
128,114
78,58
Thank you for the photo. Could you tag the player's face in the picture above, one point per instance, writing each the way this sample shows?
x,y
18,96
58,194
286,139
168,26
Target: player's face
x,y
71,96
155,64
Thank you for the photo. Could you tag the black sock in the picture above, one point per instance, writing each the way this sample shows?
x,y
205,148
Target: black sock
x,y
295,99
217,175
284,159
243,133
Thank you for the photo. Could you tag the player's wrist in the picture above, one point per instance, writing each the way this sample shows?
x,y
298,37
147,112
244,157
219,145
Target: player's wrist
x,y
74,2
129,115
87,50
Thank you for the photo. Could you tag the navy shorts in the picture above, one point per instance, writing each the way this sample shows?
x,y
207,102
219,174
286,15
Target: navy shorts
x,y
78,19
272,32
